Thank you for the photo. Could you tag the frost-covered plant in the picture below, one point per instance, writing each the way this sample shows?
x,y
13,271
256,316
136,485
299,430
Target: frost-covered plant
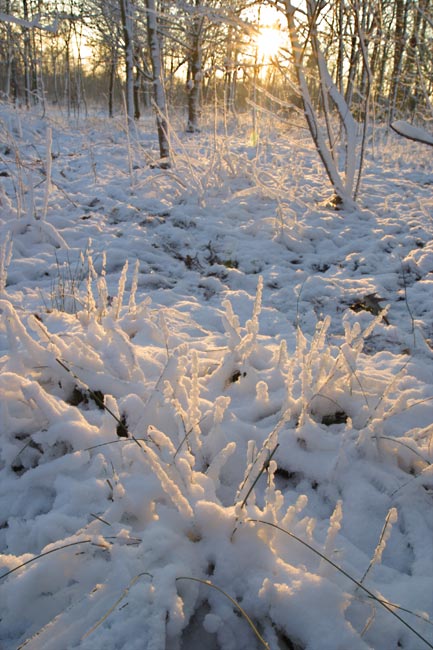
x,y
81,287
241,341
183,508
65,288
328,379
391,519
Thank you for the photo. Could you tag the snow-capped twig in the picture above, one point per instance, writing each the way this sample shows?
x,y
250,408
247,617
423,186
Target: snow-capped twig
x,y
391,519
31,24
412,132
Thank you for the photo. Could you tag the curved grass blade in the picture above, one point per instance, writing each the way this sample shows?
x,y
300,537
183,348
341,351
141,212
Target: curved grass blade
x,y
208,583
343,572
33,559
118,601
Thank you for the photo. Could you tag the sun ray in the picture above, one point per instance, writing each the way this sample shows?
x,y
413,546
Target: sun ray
x,y
268,42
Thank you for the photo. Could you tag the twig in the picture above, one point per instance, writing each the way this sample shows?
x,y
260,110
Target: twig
x,y
264,468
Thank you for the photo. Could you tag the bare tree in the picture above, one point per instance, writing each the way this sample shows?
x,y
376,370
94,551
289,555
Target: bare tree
x,y
158,83
323,137
128,47
8,55
401,14
27,54
195,71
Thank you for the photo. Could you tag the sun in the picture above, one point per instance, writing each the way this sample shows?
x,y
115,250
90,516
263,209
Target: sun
x,y
268,42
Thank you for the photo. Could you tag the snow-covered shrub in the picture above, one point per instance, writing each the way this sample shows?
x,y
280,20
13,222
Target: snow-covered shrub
x,y
165,527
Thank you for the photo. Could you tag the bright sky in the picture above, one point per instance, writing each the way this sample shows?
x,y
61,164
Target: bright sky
x,y
269,41
271,37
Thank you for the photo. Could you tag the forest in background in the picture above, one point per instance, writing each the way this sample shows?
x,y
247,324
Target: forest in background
x,y
378,54
341,65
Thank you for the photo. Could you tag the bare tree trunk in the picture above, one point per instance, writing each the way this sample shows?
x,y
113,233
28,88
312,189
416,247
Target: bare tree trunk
x,y
364,23
26,55
10,56
195,72
401,9
412,74
147,75
126,17
231,74
67,89
424,54
39,68
354,57
158,84
366,84
112,77
137,83
55,76
34,67
312,10
343,188
380,82
340,55
376,37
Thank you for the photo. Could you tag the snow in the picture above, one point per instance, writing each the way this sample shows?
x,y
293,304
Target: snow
x,y
187,353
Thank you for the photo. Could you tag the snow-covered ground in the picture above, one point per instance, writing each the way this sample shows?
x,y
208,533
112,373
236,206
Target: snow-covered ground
x,y
202,403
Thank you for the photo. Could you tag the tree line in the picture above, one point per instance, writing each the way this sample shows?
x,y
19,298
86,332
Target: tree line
x,y
348,59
